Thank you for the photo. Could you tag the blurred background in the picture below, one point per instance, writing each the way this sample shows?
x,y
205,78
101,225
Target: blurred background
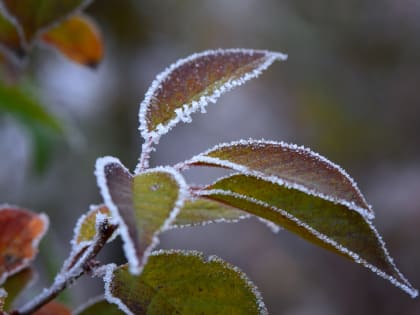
x,y
350,91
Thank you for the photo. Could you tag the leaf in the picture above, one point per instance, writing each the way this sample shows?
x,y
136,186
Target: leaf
x,y
78,38
19,103
290,166
15,284
177,282
20,233
9,37
85,229
143,205
53,308
191,83
33,16
98,306
202,211
329,225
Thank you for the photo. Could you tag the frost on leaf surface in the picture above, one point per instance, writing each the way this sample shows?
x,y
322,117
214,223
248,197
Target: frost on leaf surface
x,y
200,211
291,166
319,221
177,282
190,84
78,38
3,296
143,205
20,233
30,17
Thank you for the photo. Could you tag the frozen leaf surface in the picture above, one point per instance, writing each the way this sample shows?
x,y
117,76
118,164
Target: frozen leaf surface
x,y
98,306
15,284
3,296
143,205
202,211
20,233
327,224
32,16
53,308
176,282
78,38
291,166
190,84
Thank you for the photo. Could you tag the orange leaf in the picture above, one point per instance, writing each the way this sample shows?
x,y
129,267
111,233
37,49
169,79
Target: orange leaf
x,y
78,38
20,232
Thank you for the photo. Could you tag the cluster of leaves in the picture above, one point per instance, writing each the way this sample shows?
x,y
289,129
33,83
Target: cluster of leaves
x,y
283,184
59,25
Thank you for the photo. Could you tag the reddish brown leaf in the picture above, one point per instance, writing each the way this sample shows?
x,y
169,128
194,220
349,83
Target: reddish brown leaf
x,y
78,38
53,308
192,83
290,166
20,232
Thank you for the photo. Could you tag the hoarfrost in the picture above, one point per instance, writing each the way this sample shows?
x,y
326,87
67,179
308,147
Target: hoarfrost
x,y
204,158
403,284
184,112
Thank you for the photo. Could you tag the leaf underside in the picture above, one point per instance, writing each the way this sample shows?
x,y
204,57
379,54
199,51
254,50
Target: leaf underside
x,y
329,225
143,204
15,284
175,282
20,233
202,211
99,307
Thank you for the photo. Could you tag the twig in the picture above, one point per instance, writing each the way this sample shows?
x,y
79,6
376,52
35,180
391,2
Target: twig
x,y
67,277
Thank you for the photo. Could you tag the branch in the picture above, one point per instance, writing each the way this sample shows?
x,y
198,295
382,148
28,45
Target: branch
x,y
68,276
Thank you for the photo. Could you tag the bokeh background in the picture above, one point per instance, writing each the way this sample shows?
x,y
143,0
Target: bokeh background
x,y
350,91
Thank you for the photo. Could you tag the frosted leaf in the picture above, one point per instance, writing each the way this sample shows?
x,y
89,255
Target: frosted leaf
x,y
142,205
86,226
317,220
3,296
201,211
190,84
288,165
183,282
20,233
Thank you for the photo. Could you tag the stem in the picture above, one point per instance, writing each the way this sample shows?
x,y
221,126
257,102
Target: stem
x,y
67,277
146,149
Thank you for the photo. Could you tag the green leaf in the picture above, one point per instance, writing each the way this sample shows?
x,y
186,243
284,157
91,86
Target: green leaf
x,y
78,38
99,307
85,229
327,224
177,282
34,16
290,166
20,233
202,211
15,284
190,84
143,205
